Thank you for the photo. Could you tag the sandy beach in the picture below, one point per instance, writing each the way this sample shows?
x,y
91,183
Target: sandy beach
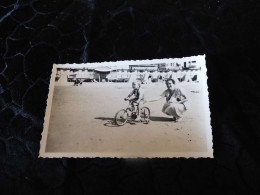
x,y
79,115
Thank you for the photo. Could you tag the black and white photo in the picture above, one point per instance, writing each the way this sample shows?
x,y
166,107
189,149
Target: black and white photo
x,y
125,109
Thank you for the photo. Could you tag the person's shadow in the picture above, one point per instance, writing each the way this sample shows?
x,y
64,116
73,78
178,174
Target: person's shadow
x,y
104,118
159,118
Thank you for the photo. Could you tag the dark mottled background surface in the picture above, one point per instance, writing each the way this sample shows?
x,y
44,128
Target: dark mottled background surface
x,y
36,34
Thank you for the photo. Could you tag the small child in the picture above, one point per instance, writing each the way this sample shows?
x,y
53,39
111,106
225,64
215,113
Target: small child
x,y
138,95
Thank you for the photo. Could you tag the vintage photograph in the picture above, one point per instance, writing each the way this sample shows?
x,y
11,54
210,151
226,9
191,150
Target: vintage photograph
x,y
129,109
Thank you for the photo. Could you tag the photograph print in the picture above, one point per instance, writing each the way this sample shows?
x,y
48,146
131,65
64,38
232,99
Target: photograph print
x,y
129,109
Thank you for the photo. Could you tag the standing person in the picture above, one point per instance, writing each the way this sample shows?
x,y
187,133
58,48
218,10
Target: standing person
x,y
150,78
138,95
174,76
160,78
176,100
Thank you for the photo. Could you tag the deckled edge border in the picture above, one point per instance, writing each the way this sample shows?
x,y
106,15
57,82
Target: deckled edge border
x,y
208,154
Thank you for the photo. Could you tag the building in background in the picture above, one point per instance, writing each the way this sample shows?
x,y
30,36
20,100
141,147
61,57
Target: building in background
x,y
125,73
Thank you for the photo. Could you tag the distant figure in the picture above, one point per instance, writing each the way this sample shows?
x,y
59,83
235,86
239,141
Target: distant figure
x,y
197,76
160,78
176,101
188,76
150,78
174,76
138,95
76,82
179,75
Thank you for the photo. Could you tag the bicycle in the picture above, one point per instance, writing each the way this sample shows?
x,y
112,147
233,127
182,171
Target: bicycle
x,y
130,114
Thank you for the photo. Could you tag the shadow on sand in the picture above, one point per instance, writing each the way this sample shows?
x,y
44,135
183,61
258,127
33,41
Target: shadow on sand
x,y
158,118
105,118
109,122
152,118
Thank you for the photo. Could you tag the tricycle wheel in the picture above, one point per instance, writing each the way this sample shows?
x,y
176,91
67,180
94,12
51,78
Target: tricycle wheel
x,y
145,114
121,117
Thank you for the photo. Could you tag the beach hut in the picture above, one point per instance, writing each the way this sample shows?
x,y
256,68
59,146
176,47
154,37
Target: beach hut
x,y
102,72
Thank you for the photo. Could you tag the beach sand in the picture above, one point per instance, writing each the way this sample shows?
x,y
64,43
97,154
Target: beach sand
x,y
79,114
